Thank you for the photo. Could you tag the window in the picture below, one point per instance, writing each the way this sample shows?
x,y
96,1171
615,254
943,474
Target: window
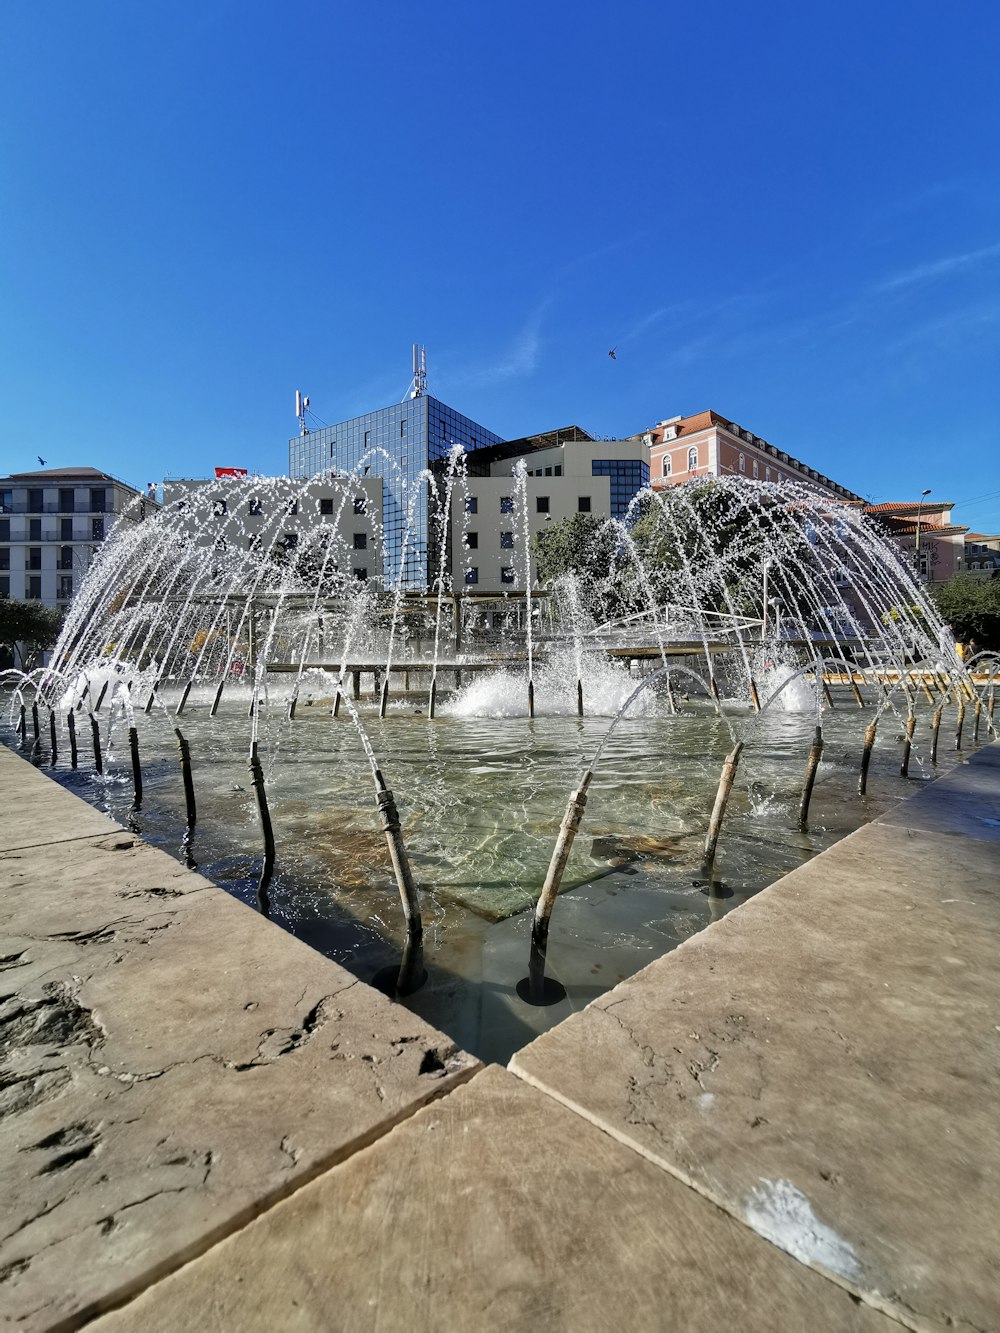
x,y
290,541
220,543
583,504
6,502
65,557
253,508
506,574
557,470
5,587
67,500
4,529
756,468
34,558
98,500
65,587
361,541
368,441
359,504
5,557
35,588
506,504
253,542
219,507
326,505
34,529
541,504
767,474
472,575
402,429
507,541
360,572
97,529
692,458
743,462
291,506
667,466
34,500
65,529
548,472
471,504
471,541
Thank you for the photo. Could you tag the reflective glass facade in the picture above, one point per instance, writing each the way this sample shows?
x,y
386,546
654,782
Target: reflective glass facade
x,y
395,443
628,477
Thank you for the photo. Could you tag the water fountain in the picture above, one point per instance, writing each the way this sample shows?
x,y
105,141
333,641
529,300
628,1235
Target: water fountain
x,y
730,624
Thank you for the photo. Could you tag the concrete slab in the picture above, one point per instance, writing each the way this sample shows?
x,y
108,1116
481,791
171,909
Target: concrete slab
x,y
170,1064
37,812
495,1208
823,1063
966,805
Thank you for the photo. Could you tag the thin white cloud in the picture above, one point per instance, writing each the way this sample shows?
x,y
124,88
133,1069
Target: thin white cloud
x,y
517,361
939,268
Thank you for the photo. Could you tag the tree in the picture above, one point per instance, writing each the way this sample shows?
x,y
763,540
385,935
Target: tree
x,y
587,547
971,606
27,627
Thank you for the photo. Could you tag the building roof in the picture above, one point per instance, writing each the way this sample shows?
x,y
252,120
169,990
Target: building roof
x,y
983,537
903,507
530,444
57,474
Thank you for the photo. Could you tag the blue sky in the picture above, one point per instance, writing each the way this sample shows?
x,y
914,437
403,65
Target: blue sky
x,y
787,212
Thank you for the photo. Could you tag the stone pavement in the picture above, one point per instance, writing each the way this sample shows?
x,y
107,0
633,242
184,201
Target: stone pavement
x,y
789,1121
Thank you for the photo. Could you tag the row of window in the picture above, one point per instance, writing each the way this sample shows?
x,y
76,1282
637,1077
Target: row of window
x,y
33,591
542,504
255,506
33,557
66,504
507,574
554,471
66,531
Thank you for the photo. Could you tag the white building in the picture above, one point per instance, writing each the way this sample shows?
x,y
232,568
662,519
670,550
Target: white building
x,y
52,523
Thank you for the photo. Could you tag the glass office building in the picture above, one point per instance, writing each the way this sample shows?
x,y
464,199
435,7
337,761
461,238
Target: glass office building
x,y
628,477
395,443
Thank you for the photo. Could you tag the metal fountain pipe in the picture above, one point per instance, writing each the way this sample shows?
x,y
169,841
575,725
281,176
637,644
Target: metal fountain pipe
x,y
579,697
911,722
71,728
185,759
866,755
133,745
411,972
935,730
218,697
100,697
977,714
960,722
815,752
539,989
726,779
267,869
52,736
34,720
22,725
826,688
95,732
184,697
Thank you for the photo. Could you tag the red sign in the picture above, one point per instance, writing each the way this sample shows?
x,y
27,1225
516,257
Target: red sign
x,y
230,471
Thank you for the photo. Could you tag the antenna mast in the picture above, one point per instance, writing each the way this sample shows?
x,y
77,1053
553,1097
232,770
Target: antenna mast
x,y
301,403
418,385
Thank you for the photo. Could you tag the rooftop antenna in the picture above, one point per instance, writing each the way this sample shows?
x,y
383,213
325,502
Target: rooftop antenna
x,y
418,385
301,404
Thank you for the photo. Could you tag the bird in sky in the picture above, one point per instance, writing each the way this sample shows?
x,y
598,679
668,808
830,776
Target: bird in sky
x,y
613,353
40,459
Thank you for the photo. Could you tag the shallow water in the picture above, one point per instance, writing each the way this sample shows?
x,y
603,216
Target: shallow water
x,y
481,799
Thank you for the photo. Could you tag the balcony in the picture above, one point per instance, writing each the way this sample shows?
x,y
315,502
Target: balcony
x,y
51,507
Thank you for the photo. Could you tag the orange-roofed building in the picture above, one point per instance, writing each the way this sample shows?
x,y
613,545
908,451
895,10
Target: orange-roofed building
x,y
710,445
932,544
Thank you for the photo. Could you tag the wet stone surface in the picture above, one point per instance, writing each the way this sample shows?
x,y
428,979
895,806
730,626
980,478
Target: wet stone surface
x,y
170,1064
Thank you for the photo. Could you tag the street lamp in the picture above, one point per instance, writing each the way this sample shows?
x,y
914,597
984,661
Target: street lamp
x,y
920,504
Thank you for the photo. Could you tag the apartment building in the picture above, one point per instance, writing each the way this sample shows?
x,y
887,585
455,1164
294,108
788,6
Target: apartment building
x,y
260,513
568,472
52,523
931,543
710,445
982,554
